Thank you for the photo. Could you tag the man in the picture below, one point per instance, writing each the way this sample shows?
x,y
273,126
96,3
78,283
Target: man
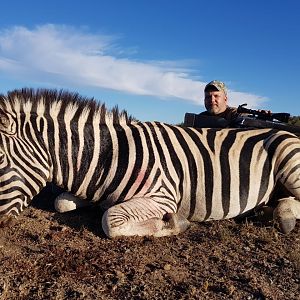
x,y
216,101
216,104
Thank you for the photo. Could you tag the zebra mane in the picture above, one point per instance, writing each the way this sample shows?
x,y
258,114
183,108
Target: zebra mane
x,y
18,101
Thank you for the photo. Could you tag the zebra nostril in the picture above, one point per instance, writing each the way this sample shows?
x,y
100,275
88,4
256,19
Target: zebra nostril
x,y
167,217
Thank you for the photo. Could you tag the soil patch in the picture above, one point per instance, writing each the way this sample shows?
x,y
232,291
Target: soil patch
x,y
46,255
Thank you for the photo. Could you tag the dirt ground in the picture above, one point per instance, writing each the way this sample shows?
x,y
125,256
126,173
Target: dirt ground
x,y
46,255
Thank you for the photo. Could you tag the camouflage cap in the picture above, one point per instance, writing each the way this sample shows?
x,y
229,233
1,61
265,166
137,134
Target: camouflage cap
x,y
219,85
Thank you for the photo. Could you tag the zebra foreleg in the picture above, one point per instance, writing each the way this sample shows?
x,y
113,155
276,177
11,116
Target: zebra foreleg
x,y
68,202
142,217
286,213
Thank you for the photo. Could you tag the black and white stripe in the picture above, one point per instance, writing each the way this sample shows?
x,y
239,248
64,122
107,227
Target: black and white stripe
x,y
103,156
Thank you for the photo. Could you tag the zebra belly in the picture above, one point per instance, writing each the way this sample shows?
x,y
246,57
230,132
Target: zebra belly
x,y
219,209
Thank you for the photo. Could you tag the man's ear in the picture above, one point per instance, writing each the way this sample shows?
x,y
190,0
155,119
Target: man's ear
x,y
7,123
226,98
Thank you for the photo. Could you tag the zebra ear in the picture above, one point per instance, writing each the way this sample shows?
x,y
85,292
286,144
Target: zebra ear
x,y
7,123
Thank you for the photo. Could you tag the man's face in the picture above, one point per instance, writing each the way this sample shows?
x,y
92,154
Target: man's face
x,y
215,101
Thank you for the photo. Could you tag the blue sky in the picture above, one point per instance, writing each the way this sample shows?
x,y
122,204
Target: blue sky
x,y
153,58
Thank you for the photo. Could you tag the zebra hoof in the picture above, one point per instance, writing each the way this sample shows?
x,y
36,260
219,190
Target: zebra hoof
x,y
286,214
62,205
66,202
287,225
176,222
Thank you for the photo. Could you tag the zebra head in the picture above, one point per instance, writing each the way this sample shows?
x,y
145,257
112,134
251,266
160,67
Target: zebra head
x,y
24,164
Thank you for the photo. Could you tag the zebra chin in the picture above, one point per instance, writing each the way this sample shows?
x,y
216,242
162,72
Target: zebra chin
x,y
12,207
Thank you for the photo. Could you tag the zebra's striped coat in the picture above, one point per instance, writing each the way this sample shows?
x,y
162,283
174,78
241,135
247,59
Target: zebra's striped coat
x,y
150,177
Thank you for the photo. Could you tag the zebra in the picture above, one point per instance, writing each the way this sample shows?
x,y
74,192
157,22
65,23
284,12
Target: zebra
x,y
150,178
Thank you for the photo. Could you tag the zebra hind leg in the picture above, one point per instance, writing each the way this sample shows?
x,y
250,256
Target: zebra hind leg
x,y
142,217
286,213
67,202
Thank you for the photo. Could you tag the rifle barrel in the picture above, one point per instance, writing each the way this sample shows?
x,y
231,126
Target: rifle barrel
x,y
282,117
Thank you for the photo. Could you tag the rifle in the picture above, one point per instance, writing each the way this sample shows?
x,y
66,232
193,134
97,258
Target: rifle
x,y
263,115
250,118
263,119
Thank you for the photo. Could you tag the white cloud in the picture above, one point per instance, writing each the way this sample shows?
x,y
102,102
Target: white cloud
x,y
58,54
253,101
